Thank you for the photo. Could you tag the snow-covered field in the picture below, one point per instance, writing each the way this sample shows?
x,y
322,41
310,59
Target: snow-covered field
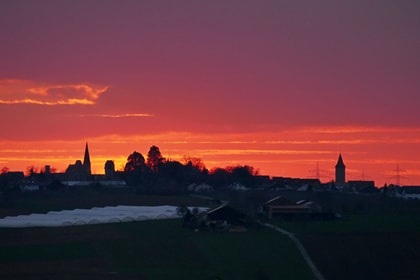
x,y
96,215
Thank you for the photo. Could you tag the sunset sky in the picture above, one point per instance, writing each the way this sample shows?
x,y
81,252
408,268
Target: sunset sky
x,y
278,85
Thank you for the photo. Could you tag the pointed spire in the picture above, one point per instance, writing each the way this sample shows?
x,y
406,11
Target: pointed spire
x,y
340,172
86,160
340,162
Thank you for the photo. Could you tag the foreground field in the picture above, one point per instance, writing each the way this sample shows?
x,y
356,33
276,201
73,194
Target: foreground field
x,y
363,247
147,250
42,202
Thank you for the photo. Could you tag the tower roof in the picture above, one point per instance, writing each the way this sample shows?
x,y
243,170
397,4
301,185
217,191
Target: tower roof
x,y
86,159
340,162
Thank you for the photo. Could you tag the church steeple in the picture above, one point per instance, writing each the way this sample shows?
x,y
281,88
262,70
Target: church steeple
x,y
340,172
86,160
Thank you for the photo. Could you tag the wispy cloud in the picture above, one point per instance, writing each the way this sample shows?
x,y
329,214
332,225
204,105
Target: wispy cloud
x,y
128,115
32,92
357,129
226,152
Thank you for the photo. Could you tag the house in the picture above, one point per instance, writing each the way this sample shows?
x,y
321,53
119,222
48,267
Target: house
x,y
237,187
281,206
279,200
362,186
29,188
410,192
285,208
405,192
298,184
262,182
313,207
223,218
200,188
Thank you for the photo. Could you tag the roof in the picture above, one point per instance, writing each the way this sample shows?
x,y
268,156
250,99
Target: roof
x,y
217,208
411,189
340,162
279,209
279,200
226,212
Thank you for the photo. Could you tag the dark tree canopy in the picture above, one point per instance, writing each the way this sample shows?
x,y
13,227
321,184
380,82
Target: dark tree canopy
x,y
195,162
243,174
242,171
4,170
154,159
135,162
219,177
134,169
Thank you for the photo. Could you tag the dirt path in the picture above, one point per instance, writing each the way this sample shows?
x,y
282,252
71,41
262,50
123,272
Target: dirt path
x,y
301,249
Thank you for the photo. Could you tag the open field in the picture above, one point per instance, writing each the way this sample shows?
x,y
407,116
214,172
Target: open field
x,y
147,250
42,202
363,247
137,250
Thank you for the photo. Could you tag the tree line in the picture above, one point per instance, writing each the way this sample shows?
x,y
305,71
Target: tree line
x,y
156,174
153,174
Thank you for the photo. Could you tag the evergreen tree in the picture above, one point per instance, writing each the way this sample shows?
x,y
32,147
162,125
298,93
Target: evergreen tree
x,y
154,159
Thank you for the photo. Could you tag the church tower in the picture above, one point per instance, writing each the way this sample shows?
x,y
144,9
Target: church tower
x,y
340,172
86,160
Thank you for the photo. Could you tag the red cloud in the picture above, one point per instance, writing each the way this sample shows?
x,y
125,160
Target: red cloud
x,y
31,92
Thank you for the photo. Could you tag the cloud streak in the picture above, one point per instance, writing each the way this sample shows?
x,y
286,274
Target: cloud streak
x,y
116,116
357,129
32,92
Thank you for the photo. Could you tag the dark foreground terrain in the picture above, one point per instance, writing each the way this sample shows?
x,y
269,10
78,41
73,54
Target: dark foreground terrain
x,y
137,250
44,201
147,250
364,246
367,244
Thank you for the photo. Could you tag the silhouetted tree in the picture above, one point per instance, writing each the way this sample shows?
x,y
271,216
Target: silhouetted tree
x,y
134,168
4,170
173,170
135,162
219,177
10,181
154,159
243,174
31,170
197,163
181,174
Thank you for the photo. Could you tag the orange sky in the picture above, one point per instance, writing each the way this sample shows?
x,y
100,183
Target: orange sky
x,y
369,153
278,85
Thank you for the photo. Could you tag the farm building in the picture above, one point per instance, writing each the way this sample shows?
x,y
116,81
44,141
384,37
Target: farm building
x,y
285,208
221,218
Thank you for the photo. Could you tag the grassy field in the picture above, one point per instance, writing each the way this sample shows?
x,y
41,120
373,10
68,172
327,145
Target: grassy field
x,y
137,250
42,202
363,247
147,250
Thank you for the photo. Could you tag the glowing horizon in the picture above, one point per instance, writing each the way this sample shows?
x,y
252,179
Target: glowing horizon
x,y
277,85
287,158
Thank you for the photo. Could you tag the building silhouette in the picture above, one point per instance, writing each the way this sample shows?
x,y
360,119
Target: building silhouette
x,y
340,172
80,171
86,160
109,169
